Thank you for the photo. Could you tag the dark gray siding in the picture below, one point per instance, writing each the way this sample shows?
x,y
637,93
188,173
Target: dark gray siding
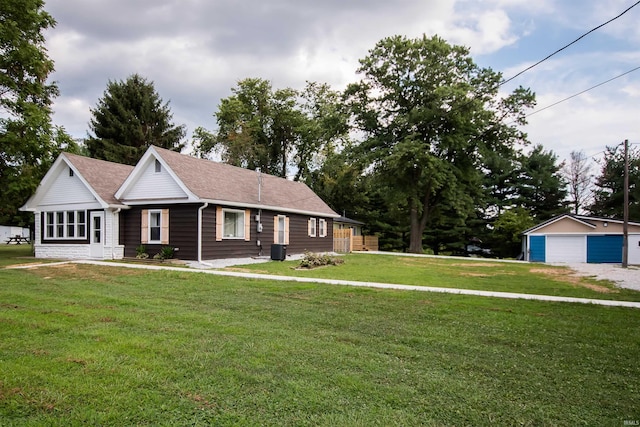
x,y
183,234
299,240
183,230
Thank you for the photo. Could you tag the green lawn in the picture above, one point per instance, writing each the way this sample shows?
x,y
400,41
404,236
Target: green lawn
x,y
87,345
456,273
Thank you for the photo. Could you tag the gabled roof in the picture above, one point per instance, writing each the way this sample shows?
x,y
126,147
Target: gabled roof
x,y
582,219
101,179
104,177
219,183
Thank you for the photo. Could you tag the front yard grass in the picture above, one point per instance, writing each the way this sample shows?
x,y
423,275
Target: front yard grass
x,y
528,278
88,345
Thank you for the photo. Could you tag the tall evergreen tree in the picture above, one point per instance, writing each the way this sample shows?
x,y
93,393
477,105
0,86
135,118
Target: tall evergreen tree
x,y
541,185
28,140
128,119
608,196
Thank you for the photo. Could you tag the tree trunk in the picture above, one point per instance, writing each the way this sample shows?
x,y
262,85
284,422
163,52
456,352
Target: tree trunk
x,y
418,224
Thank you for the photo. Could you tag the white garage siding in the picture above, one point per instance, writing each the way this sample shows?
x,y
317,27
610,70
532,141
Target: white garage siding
x,y
566,249
634,249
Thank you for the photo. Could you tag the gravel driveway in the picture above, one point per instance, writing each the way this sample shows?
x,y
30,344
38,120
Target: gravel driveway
x,y
624,277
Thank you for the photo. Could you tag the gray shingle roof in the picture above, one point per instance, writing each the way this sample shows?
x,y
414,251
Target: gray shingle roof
x,y
210,180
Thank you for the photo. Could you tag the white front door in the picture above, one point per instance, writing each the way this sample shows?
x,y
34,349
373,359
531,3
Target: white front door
x,y
96,237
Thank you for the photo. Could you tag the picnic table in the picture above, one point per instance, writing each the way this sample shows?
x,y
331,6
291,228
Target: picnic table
x,y
17,240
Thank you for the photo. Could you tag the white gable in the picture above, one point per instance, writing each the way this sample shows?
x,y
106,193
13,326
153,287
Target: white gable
x,y
154,181
61,189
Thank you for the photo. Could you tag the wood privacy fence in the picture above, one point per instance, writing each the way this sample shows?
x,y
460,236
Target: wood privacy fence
x,y
344,241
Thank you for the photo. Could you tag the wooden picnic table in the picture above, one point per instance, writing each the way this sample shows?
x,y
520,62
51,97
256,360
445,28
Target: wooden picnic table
x,y
17,240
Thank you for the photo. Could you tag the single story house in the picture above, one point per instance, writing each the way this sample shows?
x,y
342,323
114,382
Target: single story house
x,y
88,208
572,238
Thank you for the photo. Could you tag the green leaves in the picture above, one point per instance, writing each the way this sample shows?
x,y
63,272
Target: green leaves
x,y
281,131
29,142
609,192
428,112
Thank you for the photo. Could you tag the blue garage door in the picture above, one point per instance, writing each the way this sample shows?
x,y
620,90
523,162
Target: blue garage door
x,y
537,248
604,249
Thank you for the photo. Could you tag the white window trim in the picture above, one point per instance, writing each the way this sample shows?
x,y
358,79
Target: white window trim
x,y
151,212
322,227
55,224
239,212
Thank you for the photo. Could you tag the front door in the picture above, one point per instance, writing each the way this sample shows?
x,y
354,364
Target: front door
x,y
96,237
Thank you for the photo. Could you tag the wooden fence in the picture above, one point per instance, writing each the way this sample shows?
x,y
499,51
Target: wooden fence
x,y
344,241
365,243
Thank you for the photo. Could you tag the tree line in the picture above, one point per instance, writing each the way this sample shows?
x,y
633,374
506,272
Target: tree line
x,y
423,148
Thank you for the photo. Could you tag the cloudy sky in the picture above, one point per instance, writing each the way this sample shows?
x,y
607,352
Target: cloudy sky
x,y
195,51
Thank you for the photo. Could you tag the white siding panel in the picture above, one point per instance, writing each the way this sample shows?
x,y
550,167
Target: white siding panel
x,y
634,249
566,249
67,190
155,185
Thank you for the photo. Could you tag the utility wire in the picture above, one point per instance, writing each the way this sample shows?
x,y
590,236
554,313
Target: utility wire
x,y
580,93
547,57
566,46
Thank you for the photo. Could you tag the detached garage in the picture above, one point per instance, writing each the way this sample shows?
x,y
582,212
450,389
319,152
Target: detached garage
x,y
578,238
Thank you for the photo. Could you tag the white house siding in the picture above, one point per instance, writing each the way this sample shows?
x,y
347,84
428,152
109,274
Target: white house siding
x,y
566,248
62,251
67,191
155,185
111,249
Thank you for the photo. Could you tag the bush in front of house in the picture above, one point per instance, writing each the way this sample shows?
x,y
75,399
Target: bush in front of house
x,y
166,252
141,252
313,260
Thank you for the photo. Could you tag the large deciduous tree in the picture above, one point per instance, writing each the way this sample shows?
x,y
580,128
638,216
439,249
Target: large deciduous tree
x,y
28,139
128,119
608,195
282,131
429,116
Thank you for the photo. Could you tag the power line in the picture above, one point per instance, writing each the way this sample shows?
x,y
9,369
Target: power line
x,y
580,93
573,42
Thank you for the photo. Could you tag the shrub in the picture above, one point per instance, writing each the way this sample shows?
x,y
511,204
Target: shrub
x,y
313,260
166,252
141,252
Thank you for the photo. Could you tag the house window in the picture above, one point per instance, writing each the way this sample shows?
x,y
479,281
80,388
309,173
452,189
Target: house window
x,y
155,222
322,227
65,225
281,230
70,172
158,166
233,224
312,227
154,226
81,217
71,223
60,224
49,225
